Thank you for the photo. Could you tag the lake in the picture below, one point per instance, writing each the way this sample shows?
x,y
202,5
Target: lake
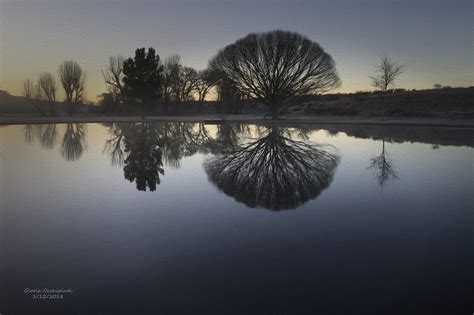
x,y
189,218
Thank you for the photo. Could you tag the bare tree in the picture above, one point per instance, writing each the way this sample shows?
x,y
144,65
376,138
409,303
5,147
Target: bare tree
x,y
171,70
386,73
38,94
186,84
28,88
72,80
47,85
205,80
274,66
113,76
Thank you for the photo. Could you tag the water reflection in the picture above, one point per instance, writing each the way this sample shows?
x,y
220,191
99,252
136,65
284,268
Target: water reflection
x,y
275,171
47,135
383,168
73,141
267,166
143,148
296,170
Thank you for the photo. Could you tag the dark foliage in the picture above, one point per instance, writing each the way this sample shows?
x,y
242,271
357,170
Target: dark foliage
x,y
143,76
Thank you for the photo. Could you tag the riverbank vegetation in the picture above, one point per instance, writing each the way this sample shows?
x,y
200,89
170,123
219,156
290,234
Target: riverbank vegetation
x,y
271,73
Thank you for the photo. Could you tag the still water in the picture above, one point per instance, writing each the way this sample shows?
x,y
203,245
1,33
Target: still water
x,y
183,218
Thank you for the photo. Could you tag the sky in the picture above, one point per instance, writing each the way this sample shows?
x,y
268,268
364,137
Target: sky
x,y
433,39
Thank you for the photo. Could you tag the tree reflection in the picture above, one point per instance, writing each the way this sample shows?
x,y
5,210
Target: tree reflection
x,y
142,149
74,141
47,135
382,165
137,147
143,163
274,172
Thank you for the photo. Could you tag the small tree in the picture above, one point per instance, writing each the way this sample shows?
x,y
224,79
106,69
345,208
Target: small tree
x,y
72,80
143,76
186,84
274,66
386,73
171,70
38,94
47,84
28,88
113,77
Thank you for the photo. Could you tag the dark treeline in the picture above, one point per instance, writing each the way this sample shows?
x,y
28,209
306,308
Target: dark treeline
x,y
273,72
269,68
266,69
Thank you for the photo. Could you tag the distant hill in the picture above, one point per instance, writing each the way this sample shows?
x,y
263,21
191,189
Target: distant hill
x,y
20,105
445,103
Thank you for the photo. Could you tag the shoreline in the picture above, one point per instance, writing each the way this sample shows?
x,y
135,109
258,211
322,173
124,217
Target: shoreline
x,y
219,119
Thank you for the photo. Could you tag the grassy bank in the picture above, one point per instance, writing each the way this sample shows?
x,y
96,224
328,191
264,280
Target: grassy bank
x,y
453,103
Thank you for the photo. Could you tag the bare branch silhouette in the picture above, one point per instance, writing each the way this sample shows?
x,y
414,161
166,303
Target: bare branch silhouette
x,y
274,172
113,77
47,84
386,73
382,166
72,80
272,67
171,69
28,88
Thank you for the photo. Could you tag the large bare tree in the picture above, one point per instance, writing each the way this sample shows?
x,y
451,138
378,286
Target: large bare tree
x,y
274,66
72,79
386,73
113,76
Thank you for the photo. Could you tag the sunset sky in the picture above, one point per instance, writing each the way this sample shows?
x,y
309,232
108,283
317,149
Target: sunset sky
x,y
434,39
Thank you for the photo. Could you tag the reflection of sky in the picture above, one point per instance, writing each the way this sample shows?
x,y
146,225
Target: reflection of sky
x,y
97,226
433,38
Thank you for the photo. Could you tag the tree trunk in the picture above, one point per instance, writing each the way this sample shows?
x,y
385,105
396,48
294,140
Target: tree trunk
x,y
275,108
201,106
